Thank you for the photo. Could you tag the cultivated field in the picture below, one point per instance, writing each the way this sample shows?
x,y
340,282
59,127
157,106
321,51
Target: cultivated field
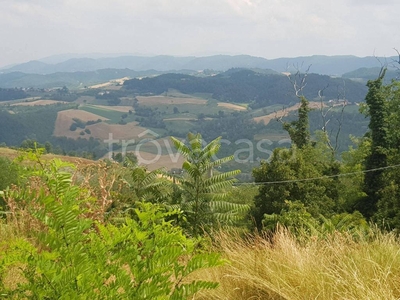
x,y
38,102
121,132
109,83
157,100
153,162
100,130
180,119
64,121
231,106
284,112
123,109
154,154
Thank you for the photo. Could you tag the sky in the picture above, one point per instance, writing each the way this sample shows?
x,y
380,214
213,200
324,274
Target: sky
x,y
34,29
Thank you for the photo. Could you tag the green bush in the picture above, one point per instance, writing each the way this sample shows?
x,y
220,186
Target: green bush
x,y
74,257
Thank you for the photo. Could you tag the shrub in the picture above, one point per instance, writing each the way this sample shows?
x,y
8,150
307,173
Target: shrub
x,y
71,256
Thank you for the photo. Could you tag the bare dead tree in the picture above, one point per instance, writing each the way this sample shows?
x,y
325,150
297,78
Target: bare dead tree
x,y
298,80
398,55
326,116
395,63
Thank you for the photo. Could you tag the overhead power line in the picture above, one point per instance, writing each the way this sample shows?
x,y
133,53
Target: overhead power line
x,y
317,178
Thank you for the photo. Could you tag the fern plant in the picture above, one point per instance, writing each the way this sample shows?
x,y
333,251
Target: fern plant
x,y
74,257
203,192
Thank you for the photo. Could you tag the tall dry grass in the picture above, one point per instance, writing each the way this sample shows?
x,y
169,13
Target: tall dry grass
x,y
336,267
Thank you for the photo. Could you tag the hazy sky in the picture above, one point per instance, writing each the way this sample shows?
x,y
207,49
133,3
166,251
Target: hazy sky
x,y
33,29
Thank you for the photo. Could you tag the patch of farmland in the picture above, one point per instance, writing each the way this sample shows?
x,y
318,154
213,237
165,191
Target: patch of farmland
x,y
123,109
181,119
112,116
126,132
231,106
65,120
157,100
100,130
119,81
284,112
156,153
38,102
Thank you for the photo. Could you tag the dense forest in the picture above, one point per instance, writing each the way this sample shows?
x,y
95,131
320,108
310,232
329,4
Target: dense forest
x,y
248,86
115,230
12,94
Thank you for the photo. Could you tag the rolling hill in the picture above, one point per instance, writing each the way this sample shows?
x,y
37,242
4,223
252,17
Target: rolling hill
x,y
329,65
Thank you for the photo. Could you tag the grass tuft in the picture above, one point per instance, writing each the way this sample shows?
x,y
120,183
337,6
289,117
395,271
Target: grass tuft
x,y
280,267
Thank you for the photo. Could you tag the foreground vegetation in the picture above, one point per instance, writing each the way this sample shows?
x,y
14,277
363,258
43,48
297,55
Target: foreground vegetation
x,y
310,226
283,266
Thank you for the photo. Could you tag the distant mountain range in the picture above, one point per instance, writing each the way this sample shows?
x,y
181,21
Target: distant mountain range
x,y
73,79
326,65
365,74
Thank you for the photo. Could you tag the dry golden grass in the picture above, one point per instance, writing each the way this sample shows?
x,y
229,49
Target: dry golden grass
x,y
337,267
284,112
13,154
156,100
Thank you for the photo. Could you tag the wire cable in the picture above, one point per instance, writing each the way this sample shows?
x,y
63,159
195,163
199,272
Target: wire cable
x,y
318,178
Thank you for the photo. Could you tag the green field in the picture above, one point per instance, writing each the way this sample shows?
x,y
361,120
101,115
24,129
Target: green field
x,y
113,116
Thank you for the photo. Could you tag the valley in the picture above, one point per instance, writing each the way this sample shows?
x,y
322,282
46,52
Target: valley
x,y
240,105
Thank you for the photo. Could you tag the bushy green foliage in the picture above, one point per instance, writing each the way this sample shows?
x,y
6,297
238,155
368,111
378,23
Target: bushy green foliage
x,y
299,130
8,175
12,94
295,218
377,111
71,256
285,178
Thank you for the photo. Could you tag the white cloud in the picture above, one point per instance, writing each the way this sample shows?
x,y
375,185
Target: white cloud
x,y
270,28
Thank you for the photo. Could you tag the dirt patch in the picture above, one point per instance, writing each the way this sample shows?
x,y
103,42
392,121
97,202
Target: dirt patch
x,y
38,102
231,106
284,112
119,81
156,100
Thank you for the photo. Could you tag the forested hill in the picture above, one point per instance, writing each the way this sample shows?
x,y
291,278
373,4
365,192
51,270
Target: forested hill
x,y
321,64
248,86
72,79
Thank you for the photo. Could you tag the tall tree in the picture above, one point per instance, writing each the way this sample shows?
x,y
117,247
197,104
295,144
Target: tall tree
x,y
377,111
286,178
299,130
